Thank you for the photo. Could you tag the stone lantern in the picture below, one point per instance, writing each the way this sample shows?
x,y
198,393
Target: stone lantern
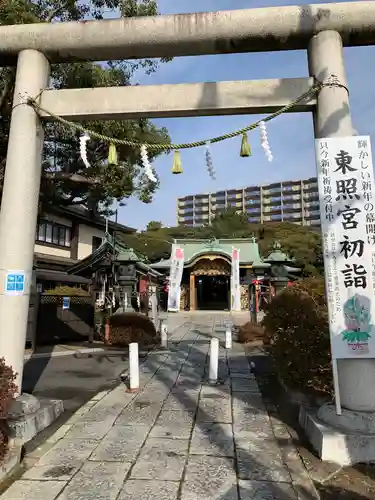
x,y
281,266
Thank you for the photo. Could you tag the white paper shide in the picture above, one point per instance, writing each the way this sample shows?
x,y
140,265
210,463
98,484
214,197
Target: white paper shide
x,y
175,277
347,200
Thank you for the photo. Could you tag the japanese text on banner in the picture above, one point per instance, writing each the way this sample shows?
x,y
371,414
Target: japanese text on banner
x,y
235,281
175,277
347,196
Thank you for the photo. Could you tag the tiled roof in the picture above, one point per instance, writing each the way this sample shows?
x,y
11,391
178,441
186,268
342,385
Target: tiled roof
x,y
248,248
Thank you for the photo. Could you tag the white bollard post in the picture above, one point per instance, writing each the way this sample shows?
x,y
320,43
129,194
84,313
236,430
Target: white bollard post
x,y
133,367
164,335
214,360
228,338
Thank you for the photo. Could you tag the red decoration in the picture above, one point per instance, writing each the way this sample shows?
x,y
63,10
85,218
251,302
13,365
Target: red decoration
x,y
179,253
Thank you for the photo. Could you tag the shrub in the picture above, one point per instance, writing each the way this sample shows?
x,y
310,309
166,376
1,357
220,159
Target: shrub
x,y
68,291
7,391
297,333
131,327
249,332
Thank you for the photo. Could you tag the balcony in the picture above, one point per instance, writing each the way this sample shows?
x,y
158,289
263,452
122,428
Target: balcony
x,y
253,203
313,205
292,216
272,209
291,197
188,211
272,189
292,207
201,200
200,207
255,193
291,186
311,186
312,213
276,217
313,195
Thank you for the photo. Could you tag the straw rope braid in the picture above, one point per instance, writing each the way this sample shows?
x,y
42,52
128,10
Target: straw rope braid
x,y
331,81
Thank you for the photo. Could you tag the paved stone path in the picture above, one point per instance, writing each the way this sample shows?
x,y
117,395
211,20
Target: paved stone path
x,y
177,439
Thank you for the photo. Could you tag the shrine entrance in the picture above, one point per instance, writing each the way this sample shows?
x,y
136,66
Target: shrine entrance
x,y
210,284
213,293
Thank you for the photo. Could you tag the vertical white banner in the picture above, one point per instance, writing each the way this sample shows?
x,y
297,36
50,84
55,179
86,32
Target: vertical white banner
x,y
175,277
347,200
235,291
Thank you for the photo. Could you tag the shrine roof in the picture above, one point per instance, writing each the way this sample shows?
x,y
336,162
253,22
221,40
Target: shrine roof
x,y
115,250
194,248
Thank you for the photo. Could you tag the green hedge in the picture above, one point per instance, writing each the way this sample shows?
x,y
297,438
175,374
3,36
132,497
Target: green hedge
x,y
297,330
68,291
132,327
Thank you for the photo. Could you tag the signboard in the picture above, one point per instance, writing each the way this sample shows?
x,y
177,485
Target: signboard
x,y
235,290
175,277
347,206
66,303
15,282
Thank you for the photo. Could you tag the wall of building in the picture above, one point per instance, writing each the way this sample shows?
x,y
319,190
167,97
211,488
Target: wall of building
x,y
85,237
53,251
289,201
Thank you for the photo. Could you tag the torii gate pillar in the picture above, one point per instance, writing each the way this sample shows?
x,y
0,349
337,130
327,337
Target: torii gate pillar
x,y
332,119
19,208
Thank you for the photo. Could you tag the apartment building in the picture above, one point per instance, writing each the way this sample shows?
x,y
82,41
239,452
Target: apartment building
x,y
289,201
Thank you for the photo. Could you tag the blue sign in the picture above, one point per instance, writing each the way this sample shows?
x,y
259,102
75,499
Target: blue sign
x,y
15,283
66,303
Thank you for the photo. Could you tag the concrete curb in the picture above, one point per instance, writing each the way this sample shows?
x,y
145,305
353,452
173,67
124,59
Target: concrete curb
x,y
11,461
33,457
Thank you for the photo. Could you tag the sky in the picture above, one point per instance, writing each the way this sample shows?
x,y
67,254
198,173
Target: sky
x,y
290,136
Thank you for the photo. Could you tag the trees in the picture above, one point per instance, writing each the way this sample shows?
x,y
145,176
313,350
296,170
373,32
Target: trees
x,y
231,223
302,243
154,225
66,181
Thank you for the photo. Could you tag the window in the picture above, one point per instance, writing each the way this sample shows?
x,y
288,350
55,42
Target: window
x,y
53,233
96,242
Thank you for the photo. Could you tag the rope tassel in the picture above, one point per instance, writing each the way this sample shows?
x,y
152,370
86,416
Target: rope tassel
x,y
264,140
177,164
245,146
83,140
112,155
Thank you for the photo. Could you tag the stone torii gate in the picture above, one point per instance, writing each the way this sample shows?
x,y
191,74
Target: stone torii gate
x,y
321,29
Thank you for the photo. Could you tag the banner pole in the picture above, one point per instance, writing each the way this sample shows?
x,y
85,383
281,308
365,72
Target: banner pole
x,y
336,386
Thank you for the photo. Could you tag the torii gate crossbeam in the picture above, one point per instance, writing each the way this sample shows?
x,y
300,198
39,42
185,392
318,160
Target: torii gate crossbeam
x,y
223,32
